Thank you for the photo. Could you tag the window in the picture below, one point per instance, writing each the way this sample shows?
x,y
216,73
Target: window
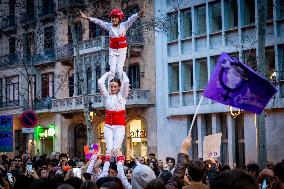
x,y
224,139
11,18
12,91
80,139
96,31
173,26
187,75
215,16
47,85
28,44
201,73
30,9
194,138
134,76
79,85
98,75
173,77
71,85
249,58
47,7
200,20
186,23
78,33
1,93
208,124
239,141
280,9
48,39
248,9
269,9
231,14
281,61
89,81
32,88
12,48
270,61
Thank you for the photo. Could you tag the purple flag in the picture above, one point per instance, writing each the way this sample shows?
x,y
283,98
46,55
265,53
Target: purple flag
x,y
236,84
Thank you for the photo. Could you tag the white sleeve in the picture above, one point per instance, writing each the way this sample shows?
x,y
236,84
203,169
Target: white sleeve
x,y
105,170
130,21
101,23
90,168
122,176
101,83
125,85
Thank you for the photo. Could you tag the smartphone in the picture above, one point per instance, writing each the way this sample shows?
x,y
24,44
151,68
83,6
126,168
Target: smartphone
x,y
10,177
30,167
77,172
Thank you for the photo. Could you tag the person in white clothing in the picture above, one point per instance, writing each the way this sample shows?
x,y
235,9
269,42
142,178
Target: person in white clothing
x,y
114,101
117,31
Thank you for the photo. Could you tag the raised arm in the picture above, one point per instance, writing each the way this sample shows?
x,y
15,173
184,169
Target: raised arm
x,y
122,176
101,83
130,21
97,21
124,85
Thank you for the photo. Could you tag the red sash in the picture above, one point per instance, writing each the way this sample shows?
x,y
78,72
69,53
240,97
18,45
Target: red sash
x,y
115,117
118,42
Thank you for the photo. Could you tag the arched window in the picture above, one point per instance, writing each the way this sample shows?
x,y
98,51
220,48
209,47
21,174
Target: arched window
x,y
89,80
98,75
80,140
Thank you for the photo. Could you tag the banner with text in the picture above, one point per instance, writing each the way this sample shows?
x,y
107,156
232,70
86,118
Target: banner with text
x,y
6,133
211,146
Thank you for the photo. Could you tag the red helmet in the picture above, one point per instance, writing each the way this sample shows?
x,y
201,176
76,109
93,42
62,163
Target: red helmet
x,y
118,13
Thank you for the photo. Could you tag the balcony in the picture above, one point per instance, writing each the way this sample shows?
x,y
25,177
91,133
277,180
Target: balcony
x,y
28,19
85,47
42,104
9,24
47,56
9,60
70,4
136,97
9,104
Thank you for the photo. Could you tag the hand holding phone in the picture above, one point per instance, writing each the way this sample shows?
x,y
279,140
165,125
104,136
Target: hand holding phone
x,y
10,177
30,167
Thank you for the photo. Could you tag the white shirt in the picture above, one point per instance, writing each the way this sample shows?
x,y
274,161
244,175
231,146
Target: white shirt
x,y
117,101
118,31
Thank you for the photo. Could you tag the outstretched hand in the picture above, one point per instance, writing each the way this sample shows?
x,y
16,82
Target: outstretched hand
x,y
185,145
83,15
141,13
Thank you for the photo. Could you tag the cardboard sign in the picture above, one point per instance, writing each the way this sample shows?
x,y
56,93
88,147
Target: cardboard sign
x,y
211,146
89,151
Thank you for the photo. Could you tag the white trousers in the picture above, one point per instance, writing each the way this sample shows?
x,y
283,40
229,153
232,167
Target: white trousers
x,y
114,135
116,61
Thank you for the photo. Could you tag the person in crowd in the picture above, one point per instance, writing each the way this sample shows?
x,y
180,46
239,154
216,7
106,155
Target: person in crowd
x,y
170,164
196,170
88,185
253,170
233,179
165,176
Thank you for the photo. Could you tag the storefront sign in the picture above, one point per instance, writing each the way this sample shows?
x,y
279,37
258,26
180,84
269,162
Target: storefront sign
x,y
138,134
28,130
6,133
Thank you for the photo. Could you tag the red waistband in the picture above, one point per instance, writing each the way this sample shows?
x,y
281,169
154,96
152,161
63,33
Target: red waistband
x,y
115,117
118,42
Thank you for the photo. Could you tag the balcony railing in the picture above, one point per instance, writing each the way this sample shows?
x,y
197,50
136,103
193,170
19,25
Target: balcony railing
x,y
47,12
9,103
44,103
44,57
9,60
70,3
9,23
136,97
28,18
87,46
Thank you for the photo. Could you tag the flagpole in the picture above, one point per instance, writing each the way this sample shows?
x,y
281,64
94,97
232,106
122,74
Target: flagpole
x,y
194,117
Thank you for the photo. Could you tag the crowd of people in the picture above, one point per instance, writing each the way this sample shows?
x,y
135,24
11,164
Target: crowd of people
x,y
57,171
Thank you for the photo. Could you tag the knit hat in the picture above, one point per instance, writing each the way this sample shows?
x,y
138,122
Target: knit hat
x,y
141,176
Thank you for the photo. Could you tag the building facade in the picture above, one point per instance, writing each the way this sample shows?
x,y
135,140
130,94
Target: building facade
x,y
37,72
197,33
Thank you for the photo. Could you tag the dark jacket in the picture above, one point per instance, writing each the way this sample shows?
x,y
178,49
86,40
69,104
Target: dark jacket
x,y
176,181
